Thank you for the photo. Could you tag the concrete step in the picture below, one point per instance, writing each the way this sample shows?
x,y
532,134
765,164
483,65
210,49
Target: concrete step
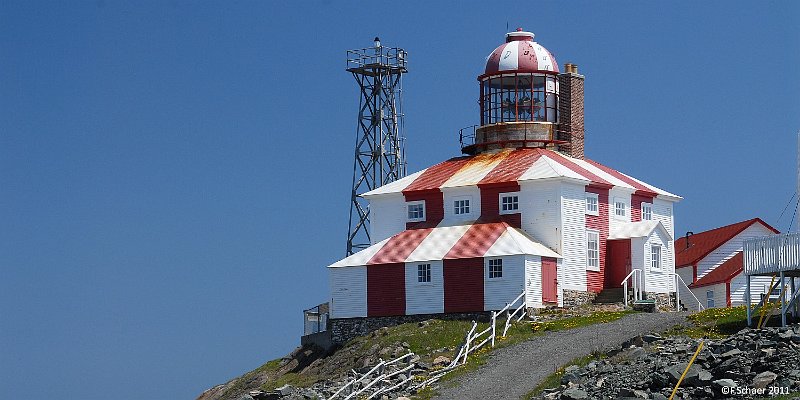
x,y
610,295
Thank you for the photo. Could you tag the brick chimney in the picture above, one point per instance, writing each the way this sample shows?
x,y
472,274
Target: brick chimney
x,y
570,110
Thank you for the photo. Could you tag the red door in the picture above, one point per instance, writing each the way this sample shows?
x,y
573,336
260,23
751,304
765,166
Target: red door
x,y
618,262
386,289
463,285
549,280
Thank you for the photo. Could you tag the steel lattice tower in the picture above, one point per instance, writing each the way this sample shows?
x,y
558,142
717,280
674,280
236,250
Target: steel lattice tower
x,y
379,153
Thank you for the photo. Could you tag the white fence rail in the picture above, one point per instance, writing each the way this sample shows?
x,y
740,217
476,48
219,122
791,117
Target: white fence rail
x,y
376,377
772,254
472,337
375,382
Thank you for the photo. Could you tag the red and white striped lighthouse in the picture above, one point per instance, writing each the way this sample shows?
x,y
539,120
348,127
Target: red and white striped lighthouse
x,y
523,216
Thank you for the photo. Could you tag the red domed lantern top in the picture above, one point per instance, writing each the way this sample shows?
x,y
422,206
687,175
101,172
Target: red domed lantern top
x,y
520,54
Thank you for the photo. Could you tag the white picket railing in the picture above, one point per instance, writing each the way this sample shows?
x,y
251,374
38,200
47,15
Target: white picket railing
x,y
637,279
772,254
678,294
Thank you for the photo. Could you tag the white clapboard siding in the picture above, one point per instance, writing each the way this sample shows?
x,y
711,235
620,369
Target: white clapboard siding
x,y
660,280
729,249
348,292
614,195
637,252
758,285
499,291
540,209
473,193
533,281
424,298
720,299
387,216
686,298
662,212
573,242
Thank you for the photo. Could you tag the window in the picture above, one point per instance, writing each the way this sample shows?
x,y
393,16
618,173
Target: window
x,y
461,207
647,211
509,203
495,268
416,211
424,273
620,208
592,250
655,257
592,204
710,299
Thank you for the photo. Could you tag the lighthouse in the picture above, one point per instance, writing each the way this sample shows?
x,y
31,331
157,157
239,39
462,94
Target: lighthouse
x,y
521,104
523,216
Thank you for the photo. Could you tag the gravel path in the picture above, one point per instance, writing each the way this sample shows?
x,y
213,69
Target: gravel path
x,y
513,371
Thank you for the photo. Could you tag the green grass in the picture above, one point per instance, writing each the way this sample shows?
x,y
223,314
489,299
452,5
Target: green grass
x,y
554,379
714,323
241,383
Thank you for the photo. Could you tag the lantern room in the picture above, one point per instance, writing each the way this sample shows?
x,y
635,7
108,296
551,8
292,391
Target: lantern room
x,y
518,98
520,82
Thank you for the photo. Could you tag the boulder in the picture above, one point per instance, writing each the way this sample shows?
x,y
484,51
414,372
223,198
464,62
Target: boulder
x,y
284,390
574,394
651,338
441,361
764,379
720,383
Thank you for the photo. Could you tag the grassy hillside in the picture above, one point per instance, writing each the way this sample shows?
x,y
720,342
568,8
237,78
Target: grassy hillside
x,y
428,339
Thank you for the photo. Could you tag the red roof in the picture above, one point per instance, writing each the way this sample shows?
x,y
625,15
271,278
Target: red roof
x,y
703,243
723,273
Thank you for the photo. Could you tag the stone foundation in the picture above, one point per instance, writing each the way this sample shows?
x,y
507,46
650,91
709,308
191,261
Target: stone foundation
x,y
577,298
664,301
344,329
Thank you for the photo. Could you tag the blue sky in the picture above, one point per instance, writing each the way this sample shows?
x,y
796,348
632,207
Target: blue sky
x,y
175,176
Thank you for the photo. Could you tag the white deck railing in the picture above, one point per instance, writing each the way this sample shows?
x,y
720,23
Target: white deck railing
x,y
772,254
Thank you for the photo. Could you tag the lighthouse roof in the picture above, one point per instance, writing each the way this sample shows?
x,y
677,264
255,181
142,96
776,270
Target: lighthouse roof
x,y
516,165
520,54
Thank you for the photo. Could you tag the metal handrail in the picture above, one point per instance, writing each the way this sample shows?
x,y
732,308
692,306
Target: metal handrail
x,y
699,304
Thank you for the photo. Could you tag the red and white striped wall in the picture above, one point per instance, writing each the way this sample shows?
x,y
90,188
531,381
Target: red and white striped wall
x,y
382,279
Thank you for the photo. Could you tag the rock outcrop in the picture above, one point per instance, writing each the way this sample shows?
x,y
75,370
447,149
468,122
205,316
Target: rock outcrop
x,y
749,364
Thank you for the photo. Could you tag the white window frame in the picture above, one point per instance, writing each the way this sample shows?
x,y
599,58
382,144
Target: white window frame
x,y
710,299
656,263
589,234
429,273
514,202
415,203
618,201
498,262
469,207
592,198
647,211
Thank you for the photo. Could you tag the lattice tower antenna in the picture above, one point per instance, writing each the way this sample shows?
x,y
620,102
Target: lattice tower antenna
x,y
379,155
